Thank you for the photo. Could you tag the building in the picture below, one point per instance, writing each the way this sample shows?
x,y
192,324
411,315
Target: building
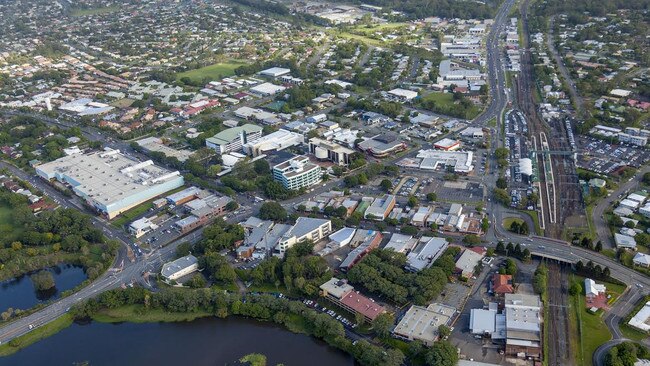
x,y
402,95
421,216
267,89
595,294
523,325
459,161
422,323
331,151
632,139
234,138
502,284
297,172
141,226
380,207
260,237
342,294
366,241
447,144
183,266
468,261
624,241
488,322
276,141
641,259
306,228
110,181
425,253
275,72
641,320
401,243
184,196
381,146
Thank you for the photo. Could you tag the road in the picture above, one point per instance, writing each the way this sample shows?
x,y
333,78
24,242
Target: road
x,y
598,218
577,99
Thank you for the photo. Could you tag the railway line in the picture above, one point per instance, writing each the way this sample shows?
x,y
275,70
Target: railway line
x,y
559,350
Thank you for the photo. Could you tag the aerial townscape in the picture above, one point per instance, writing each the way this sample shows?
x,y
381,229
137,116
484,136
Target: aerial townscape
x,y
284,182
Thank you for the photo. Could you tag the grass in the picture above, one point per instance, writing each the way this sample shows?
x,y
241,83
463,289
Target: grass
x,y
36,335
137,314
131,214
591,328
215,71
445,101
95,11
533,215
508,221
440,98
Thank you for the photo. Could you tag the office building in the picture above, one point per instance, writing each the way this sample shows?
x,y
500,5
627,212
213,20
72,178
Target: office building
x,y
331,151
342,294
276,141
183,266
297,172
425,253
380,207
141,226
422,323
306,228
109,181
234,138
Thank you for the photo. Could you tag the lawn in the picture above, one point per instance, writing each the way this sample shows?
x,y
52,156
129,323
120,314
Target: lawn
x,y
131,214
216,71
440,98
36,335
591,329
95,11
508,221
138,314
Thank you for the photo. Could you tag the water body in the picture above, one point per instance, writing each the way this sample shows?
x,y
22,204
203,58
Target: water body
x,y
20,293
209,342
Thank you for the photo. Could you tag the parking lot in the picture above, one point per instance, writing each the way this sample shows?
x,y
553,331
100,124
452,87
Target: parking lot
x,y
460,191
605,152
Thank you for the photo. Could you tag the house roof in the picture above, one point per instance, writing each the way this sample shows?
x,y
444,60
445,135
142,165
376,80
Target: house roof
x,y
502,284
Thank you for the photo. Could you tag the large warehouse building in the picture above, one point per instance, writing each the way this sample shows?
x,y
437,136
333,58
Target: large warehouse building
x,y
110,181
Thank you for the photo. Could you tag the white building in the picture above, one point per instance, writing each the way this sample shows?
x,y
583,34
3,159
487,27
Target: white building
x,y
141,226
234,138
641,320
593,289
641,259
306,228
275,72
425,253
183,266
331,151
267,89
422,323
402,95
624,241
380,207
276,141
297,172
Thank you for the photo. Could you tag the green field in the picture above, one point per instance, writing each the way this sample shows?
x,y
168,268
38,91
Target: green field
x,y
8,231
440,98
509,220
137,314
215,71
36,335
94,11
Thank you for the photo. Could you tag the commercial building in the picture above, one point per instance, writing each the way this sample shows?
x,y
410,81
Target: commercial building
x,y
380,207
276,141
110,181
297,172
183,266
366,241
523,325
467,261
260,237
156,144
641,320
381,146
459,161
422,323
275,72
141,226
234,138
201,211
342,294
488,322
267,89
183,196
402,95
425,253
306,228
632,139
401,243
331,151
447,144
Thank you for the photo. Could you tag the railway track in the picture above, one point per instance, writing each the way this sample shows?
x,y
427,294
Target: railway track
x,y
559,350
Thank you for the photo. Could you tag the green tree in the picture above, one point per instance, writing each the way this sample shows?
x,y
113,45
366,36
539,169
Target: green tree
x,y
412,201
442,353
382,325
432,196
386,185
272,210
43,280
443,331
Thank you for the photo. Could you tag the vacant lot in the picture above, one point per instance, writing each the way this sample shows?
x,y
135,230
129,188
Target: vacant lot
x,y
215,71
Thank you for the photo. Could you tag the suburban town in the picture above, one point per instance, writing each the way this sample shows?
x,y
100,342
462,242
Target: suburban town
x,y
375,183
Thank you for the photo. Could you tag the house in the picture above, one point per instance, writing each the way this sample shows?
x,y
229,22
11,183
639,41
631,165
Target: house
x,y
595,294
641,259
624,241
183,266
502,284
641,320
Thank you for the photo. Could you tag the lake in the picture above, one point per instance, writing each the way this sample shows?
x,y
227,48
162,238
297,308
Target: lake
x,y
209,341
19,293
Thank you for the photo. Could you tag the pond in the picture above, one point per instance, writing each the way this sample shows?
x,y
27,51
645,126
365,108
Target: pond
x,y
208,341
19,293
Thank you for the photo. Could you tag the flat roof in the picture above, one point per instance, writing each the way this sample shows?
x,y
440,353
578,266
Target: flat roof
x,y
641,320
422,323
229,135
337,288
401,243
304,226
170,268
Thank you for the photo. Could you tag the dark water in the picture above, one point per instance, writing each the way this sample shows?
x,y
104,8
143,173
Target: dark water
x,y
19,293
210,342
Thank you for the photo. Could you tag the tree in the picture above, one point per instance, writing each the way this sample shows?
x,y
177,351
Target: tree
x,y
386,185
443,331
501,153
432,196
43,280
599,246
442,353
382,325
198,281
502,183
501,196
514,227
412,201
261,167
523,228
501,248
471,240
272,211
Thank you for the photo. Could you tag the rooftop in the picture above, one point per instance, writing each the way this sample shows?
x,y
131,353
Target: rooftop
x,y
227,136
170,268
